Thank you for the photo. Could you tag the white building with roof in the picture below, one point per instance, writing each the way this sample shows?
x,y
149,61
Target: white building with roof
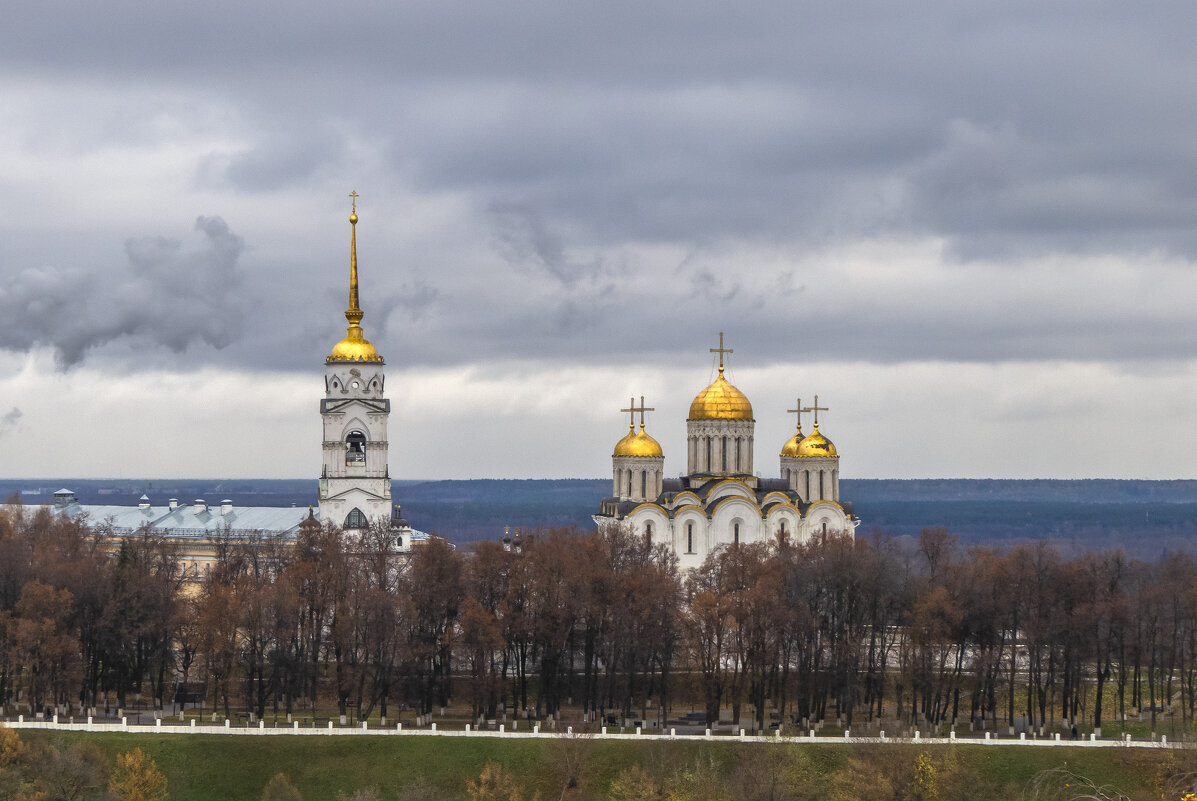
x,y
720,500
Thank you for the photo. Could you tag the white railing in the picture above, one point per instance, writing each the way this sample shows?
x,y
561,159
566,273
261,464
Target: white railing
x,y
431,730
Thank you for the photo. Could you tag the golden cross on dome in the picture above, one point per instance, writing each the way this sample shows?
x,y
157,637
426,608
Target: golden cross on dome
x,y
642,410
631,410
816,409
721,350
354,195
799,411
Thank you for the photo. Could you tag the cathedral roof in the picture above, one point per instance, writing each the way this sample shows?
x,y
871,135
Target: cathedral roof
x,y
638,444
815,445
721,401
790,449
354,348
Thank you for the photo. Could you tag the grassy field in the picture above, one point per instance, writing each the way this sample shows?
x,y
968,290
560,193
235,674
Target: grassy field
x,y
212,768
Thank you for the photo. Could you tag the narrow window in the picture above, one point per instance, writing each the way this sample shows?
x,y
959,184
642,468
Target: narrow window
x,y
629,482
689,538
738,446
736,533
355,447
643,483
648,531
707,465
723,459
355,519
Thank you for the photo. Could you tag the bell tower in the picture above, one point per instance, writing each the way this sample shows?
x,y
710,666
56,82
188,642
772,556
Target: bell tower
x,y
355,481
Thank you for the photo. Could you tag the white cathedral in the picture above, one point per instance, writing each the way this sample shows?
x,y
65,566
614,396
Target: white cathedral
x,y
720,500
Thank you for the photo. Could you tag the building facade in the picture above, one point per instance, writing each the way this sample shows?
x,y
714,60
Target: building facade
x,y
720,500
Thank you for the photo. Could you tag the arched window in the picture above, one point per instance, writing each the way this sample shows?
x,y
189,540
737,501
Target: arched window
x,y
648,532
723,458
707,464
355,519
643,483
689,538
736,533
739,445
629,482
355,447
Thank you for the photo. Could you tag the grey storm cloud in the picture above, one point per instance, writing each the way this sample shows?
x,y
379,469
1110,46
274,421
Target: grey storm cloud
x,y
570,139
170,296
9,420
525,241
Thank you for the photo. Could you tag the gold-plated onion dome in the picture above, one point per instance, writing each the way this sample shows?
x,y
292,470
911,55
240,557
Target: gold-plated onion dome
x,y
354,349
638,444
816,445
790,449
721,401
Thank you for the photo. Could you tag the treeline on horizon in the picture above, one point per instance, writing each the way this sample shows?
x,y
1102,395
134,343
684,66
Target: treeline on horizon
x,y
1145,518
859,628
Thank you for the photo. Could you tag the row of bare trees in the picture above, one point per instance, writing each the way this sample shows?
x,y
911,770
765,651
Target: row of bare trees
x,y
872,627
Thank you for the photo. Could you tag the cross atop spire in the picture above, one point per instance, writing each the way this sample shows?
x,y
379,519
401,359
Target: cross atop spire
x,y
721,350
799,410
633,410
816,409
642,410
355,196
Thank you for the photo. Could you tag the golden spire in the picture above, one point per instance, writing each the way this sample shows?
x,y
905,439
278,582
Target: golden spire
x,y
354,347
353,314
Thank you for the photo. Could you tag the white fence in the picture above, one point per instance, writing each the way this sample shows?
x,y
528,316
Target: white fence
x,y
294,729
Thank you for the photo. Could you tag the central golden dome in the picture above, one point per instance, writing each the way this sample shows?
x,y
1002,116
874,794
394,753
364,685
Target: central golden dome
x,y
721,401
638,444
816,445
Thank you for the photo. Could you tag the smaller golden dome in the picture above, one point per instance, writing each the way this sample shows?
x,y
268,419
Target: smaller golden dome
x,y
638,444
816,445
721,401
790,449
354,348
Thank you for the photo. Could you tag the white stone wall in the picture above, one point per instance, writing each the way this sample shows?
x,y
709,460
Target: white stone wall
x,y
355,402
719,447
637,478
814,478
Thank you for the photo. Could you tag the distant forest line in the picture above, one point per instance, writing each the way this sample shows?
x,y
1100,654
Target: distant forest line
x,y
1147,518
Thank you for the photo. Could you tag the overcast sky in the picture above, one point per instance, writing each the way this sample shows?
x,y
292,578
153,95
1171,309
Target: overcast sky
x,y
970,228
